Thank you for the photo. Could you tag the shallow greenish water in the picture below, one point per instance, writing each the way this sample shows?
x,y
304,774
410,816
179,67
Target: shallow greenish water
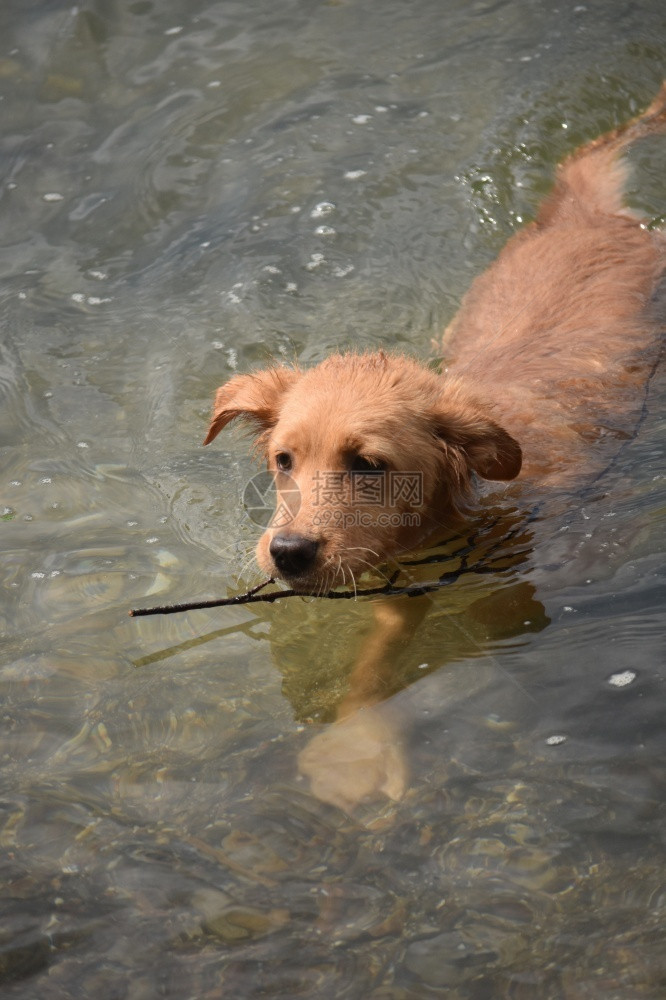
x,y
189,189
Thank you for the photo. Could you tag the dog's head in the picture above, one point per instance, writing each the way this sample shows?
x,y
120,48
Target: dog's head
x,y
381,451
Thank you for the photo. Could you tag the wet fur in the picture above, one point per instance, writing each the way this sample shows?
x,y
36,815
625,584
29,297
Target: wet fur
x,y
546,356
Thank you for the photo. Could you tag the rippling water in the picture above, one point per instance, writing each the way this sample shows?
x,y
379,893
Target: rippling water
x,y
189,189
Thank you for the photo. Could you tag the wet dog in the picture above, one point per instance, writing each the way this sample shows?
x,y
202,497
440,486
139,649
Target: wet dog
x,y
549,348
546,360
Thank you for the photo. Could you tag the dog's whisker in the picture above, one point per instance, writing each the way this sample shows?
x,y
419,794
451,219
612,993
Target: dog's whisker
x,y
362,548
377,570
249,571
374,567
328,583
246,566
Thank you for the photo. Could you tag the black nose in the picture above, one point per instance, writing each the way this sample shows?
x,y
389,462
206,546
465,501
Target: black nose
x,y
293,554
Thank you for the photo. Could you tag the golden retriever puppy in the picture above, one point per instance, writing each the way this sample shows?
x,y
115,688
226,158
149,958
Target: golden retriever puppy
x,y
545,362
549,348
381,450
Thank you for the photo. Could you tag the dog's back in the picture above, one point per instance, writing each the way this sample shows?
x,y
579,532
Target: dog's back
x,y
560,332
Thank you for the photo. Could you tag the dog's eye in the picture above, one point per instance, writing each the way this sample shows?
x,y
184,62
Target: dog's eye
x,y
360,463
283,461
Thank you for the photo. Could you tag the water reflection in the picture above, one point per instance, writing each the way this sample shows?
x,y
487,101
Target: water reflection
x,y
340,664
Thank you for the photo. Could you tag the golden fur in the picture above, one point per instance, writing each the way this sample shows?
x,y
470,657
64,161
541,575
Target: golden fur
x,y
545,356
546,359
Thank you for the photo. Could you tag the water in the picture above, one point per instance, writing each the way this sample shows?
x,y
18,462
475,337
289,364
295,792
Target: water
x,y
188,190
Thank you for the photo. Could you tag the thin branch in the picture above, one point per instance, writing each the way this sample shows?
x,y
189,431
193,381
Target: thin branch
x,y
487,564
247,598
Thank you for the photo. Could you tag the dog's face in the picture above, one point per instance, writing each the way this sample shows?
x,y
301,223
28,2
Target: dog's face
x,y
380,450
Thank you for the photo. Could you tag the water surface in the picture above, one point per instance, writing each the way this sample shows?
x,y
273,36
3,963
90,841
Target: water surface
x,y
189,189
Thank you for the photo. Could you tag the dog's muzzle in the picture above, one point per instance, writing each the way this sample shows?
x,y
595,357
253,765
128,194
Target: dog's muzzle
x,y
293,555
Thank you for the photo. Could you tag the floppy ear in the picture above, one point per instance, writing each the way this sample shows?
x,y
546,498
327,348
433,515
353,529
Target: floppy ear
x,y
256,397
489,450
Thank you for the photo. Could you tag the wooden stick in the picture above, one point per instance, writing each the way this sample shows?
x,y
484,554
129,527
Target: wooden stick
x,y
247,598
485,565
253,597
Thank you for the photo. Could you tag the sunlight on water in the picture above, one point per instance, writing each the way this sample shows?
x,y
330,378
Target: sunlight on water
x,y
192,189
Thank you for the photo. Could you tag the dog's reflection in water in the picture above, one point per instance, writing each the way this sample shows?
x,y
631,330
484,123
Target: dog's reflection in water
x,y
343,661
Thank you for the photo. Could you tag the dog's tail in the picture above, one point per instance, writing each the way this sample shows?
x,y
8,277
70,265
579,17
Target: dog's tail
x,y
590,183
